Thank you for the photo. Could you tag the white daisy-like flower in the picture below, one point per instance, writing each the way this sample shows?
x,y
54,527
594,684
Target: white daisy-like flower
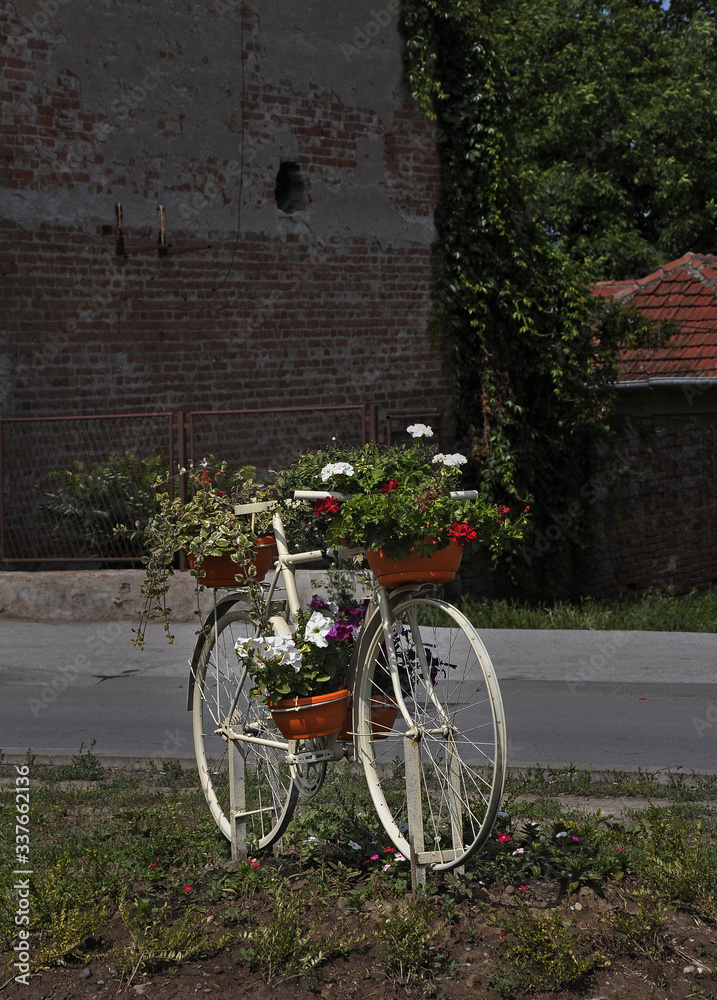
x,y
420,431
451,460
336,469
316,628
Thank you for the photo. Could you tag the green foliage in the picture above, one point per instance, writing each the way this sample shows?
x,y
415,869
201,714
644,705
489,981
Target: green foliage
x,y
408,932
155,942
82,512
203,525
542,954
298,937
654,611
312,661
69,934
673,855
398,500
532,351
641,927
612,116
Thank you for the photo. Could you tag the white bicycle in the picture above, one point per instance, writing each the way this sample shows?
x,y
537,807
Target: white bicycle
x,y
435,772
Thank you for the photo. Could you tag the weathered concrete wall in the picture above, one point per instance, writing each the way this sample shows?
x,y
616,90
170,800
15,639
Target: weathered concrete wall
x,y
115,595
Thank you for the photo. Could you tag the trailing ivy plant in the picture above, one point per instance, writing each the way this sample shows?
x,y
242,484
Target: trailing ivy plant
x,y
533,352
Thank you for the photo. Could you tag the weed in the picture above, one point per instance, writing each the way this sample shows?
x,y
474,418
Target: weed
x,y
542,953
155,943
643,931
295,940
70,935
672,855
654,611
407,935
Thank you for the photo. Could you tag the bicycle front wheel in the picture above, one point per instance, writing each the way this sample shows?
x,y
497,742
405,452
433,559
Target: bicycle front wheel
x,y
223,712
435,776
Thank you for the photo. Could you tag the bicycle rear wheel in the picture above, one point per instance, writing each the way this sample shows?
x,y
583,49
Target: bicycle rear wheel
x,y
436,778
223,711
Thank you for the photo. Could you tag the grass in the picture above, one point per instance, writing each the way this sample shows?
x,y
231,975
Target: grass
x,y
654,611
129,865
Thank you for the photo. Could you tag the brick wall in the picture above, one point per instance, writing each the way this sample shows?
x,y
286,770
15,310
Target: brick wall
x,y
662,531
251,305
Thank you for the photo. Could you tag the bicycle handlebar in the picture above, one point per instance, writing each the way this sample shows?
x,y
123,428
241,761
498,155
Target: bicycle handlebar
x,y
323,494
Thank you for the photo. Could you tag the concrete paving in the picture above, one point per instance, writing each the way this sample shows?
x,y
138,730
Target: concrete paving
x,y
600,699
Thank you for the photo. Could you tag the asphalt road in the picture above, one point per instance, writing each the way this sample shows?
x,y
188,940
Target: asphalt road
x,y
604,699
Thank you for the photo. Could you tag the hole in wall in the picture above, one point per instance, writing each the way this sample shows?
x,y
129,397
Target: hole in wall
x,y
289,190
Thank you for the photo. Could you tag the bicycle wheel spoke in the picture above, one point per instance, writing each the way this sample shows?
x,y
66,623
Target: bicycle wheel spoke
x,y
456,733
222,701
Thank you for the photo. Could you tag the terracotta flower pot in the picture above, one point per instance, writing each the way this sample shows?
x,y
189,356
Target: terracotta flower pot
x,y
309,718
383,715
221,571
440,567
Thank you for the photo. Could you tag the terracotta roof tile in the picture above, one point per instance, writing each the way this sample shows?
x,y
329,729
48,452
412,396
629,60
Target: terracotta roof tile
x,y
685,291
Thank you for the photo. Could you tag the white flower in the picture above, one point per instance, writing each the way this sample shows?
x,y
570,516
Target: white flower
x,y
452,460
420,431
316,628
354,846
336,469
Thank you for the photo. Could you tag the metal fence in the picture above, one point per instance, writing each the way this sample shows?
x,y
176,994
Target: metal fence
x,y
45,518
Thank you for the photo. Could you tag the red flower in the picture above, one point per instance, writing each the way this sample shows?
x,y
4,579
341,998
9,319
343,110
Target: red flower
x,y
187,888
329,505
501,511
390,485
503,838
462,534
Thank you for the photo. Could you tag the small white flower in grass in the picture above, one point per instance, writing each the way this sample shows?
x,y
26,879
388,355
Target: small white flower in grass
x,y
316,628
354,846
420,431
563,833
451,460
336,469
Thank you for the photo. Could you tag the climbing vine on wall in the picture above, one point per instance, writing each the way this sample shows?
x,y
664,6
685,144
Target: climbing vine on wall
x,y
532,351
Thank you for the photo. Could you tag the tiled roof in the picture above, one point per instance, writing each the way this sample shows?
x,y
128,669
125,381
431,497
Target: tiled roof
x,y
685,291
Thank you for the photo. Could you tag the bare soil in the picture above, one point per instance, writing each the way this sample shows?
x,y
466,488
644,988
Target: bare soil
x,y
680,962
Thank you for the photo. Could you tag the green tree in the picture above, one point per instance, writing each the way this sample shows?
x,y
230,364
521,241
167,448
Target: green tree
x,y
529,345
613,119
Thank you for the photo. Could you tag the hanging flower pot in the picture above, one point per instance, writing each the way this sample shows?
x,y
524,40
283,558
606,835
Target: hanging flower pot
x,y
309,718
383,715
222,571
439,567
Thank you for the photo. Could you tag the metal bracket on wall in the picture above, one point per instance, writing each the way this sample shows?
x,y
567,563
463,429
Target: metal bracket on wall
x,y
160,247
